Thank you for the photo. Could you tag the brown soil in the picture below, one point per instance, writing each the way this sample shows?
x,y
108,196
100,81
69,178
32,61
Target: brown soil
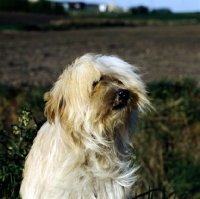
x,y
37,58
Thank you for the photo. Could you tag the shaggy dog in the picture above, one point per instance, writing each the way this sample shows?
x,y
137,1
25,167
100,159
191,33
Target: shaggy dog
x,y
81,151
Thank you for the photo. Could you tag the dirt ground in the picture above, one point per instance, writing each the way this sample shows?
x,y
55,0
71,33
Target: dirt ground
x,y
37,58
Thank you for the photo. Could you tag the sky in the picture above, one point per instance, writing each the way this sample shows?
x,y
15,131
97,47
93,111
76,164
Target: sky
x,y
173,5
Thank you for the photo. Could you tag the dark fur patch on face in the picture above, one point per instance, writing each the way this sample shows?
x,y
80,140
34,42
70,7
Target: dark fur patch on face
x,y
111,96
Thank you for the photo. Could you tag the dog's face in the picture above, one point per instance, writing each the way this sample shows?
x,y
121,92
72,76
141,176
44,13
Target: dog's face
x,y
111,100
96,92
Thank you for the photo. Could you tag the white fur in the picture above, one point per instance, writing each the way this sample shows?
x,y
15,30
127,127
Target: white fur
x,y
80,152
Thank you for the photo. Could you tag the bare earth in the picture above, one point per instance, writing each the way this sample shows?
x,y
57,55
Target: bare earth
x,y
37,58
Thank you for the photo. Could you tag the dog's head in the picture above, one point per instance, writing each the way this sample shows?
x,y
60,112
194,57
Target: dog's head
x,y
96,91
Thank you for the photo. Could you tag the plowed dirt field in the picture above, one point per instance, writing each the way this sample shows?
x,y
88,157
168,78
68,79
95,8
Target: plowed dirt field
x,y
37,58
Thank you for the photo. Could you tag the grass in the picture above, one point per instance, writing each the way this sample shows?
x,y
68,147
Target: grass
x,y
85,19
170,137
122,15
166,140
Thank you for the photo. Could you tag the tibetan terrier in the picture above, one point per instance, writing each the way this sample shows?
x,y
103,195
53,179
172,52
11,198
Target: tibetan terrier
x,y
81,151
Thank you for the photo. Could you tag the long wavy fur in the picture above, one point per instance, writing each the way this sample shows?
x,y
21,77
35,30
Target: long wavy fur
x,y
80,152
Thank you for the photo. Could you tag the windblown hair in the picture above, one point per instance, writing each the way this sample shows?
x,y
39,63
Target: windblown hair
x,y
81,151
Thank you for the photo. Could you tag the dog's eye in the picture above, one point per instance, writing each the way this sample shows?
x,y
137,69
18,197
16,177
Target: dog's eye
x,y
96,82
118,81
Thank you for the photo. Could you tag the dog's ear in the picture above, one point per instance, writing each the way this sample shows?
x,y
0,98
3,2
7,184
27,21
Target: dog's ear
x,y
50,110
54,106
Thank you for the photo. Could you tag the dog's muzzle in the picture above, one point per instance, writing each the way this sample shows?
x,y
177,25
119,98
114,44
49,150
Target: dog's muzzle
x,y
121,98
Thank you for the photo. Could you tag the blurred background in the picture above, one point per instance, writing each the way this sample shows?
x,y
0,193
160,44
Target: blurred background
x,y
39,38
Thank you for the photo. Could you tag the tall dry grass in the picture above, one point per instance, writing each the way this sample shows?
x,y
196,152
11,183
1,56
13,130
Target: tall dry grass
x,y
167,140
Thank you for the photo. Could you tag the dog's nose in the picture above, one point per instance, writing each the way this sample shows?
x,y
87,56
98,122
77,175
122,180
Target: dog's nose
x,y
121,98
123,94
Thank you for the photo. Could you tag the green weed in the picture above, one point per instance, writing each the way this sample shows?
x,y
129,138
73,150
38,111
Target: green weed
x,y
13,150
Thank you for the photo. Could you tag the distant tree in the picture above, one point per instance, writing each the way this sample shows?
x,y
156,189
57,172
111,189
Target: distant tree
x,y
41,6
14,5
139,10
47,7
